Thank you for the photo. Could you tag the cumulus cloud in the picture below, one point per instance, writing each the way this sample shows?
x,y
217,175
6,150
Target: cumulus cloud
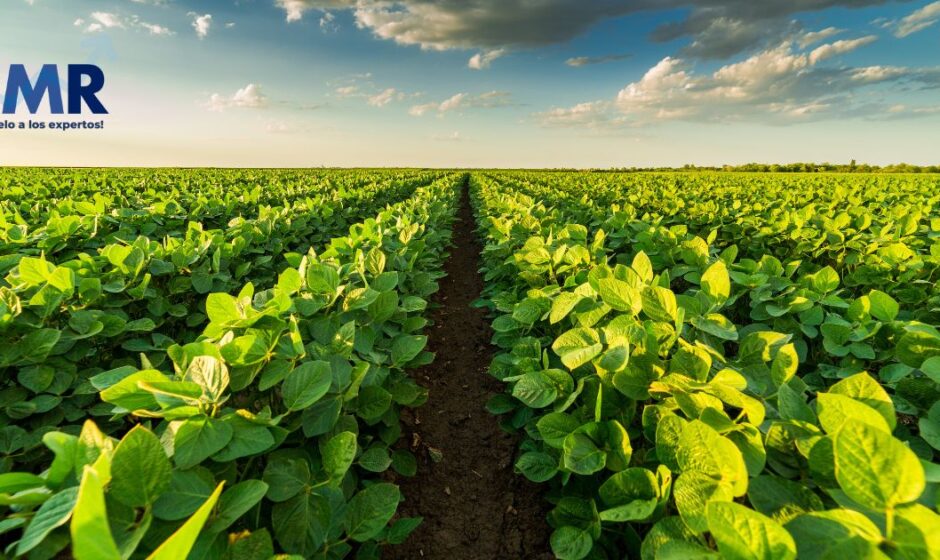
x,y
482,60
295,9
347,91
155,29
579,61
716,28
101,21
248,97
839,47
917,21
782,84
462,101
385,97
202,24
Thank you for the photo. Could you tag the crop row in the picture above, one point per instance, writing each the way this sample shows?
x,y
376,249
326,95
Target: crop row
x,y
683,402
118,298
259,420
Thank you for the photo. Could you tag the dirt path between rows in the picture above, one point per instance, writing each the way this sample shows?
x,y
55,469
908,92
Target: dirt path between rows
x,y
474,506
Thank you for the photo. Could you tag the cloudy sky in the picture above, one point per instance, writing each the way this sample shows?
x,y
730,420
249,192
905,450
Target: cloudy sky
x,y
486,83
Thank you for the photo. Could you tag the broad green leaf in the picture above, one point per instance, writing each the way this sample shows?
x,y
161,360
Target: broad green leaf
x,y
11,483
825,280
535,390
338,454
835,534
883,306
620,295
704,450
187,491
536,466
248,439
555,427
402,528
835,410
286,477
571,543
931,368
659,304
306,384
198,438
375,459
692,492
875,469
128,395
577,347
716,283
140,470
581,455
209,373
781,499
667,532
562,305
744,534
301,523
864,389
53,513
917,347
407,348
916,533
370,510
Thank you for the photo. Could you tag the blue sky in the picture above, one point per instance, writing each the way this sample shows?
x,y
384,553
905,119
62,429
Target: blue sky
x,y
489,83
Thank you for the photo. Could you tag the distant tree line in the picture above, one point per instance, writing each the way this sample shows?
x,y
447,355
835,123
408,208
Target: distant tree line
x,y
852,167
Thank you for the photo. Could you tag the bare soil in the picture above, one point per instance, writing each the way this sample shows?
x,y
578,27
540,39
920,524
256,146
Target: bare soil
x,y
474,505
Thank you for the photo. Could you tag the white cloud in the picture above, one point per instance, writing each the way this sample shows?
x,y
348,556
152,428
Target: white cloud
x,y
229,24
461,101
385,97
347,91
202,24
482,60
830,50
248,97
155,29
781,85
812,37
295,9
100,21
917,21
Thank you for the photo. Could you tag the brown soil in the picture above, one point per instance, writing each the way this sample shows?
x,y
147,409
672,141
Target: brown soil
x,y
474,505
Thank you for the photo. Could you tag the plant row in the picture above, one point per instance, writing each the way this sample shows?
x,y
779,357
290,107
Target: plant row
x,y
67,320
274,430
682,402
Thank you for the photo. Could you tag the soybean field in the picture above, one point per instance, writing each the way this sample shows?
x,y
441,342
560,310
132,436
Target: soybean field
x,y
468,364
